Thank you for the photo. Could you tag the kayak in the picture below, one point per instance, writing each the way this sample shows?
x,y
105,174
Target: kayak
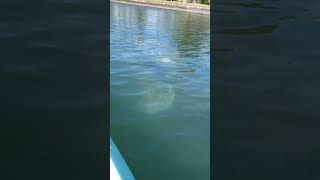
x,y
119,169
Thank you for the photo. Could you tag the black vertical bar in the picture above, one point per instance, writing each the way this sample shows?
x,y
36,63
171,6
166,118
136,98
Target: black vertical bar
x,y
54,90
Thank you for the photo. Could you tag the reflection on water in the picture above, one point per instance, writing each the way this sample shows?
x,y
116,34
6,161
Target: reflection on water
x,y
160,91
266,100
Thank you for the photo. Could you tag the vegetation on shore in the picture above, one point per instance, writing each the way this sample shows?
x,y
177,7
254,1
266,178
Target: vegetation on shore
x,y
181,4
193,1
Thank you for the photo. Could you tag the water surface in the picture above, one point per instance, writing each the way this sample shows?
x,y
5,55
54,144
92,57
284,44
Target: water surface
x,y
160,91
266,89
53,95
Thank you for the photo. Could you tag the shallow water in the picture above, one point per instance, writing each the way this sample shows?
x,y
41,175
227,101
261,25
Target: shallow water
x,y
160,91
266,89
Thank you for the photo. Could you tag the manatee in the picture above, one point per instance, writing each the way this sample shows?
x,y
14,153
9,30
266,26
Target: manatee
x,y
157,98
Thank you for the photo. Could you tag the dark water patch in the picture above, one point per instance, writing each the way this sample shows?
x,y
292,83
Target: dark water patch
x,y
5,35
224,11
265,91
222,49
265,29
246,5
53,89
288,18
316,19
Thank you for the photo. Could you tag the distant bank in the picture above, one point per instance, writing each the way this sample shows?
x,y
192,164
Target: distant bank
x,y
173,5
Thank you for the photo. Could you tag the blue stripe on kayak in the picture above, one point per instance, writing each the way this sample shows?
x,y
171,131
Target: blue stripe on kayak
x,y
119,162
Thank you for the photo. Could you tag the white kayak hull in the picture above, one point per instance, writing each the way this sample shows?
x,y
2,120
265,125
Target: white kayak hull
x,y
119,169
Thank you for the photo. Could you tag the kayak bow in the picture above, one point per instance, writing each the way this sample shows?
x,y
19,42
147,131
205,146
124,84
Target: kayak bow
x,y
119,169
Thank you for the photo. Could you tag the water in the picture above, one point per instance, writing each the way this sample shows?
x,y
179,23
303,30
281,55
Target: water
x,y
53,90
160,91
266,89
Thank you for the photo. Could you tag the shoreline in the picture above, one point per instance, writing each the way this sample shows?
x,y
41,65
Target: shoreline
x,y
193,8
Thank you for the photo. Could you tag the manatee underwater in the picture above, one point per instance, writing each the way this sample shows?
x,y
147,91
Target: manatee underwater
x,y
157,98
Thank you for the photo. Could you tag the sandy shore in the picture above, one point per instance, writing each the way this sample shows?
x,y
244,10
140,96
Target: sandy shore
x,y
172,5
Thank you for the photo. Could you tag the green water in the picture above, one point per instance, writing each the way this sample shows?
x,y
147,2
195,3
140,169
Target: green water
x,y
160,91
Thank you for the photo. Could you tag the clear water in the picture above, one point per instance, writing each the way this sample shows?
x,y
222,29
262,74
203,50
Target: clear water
x,y
160,91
